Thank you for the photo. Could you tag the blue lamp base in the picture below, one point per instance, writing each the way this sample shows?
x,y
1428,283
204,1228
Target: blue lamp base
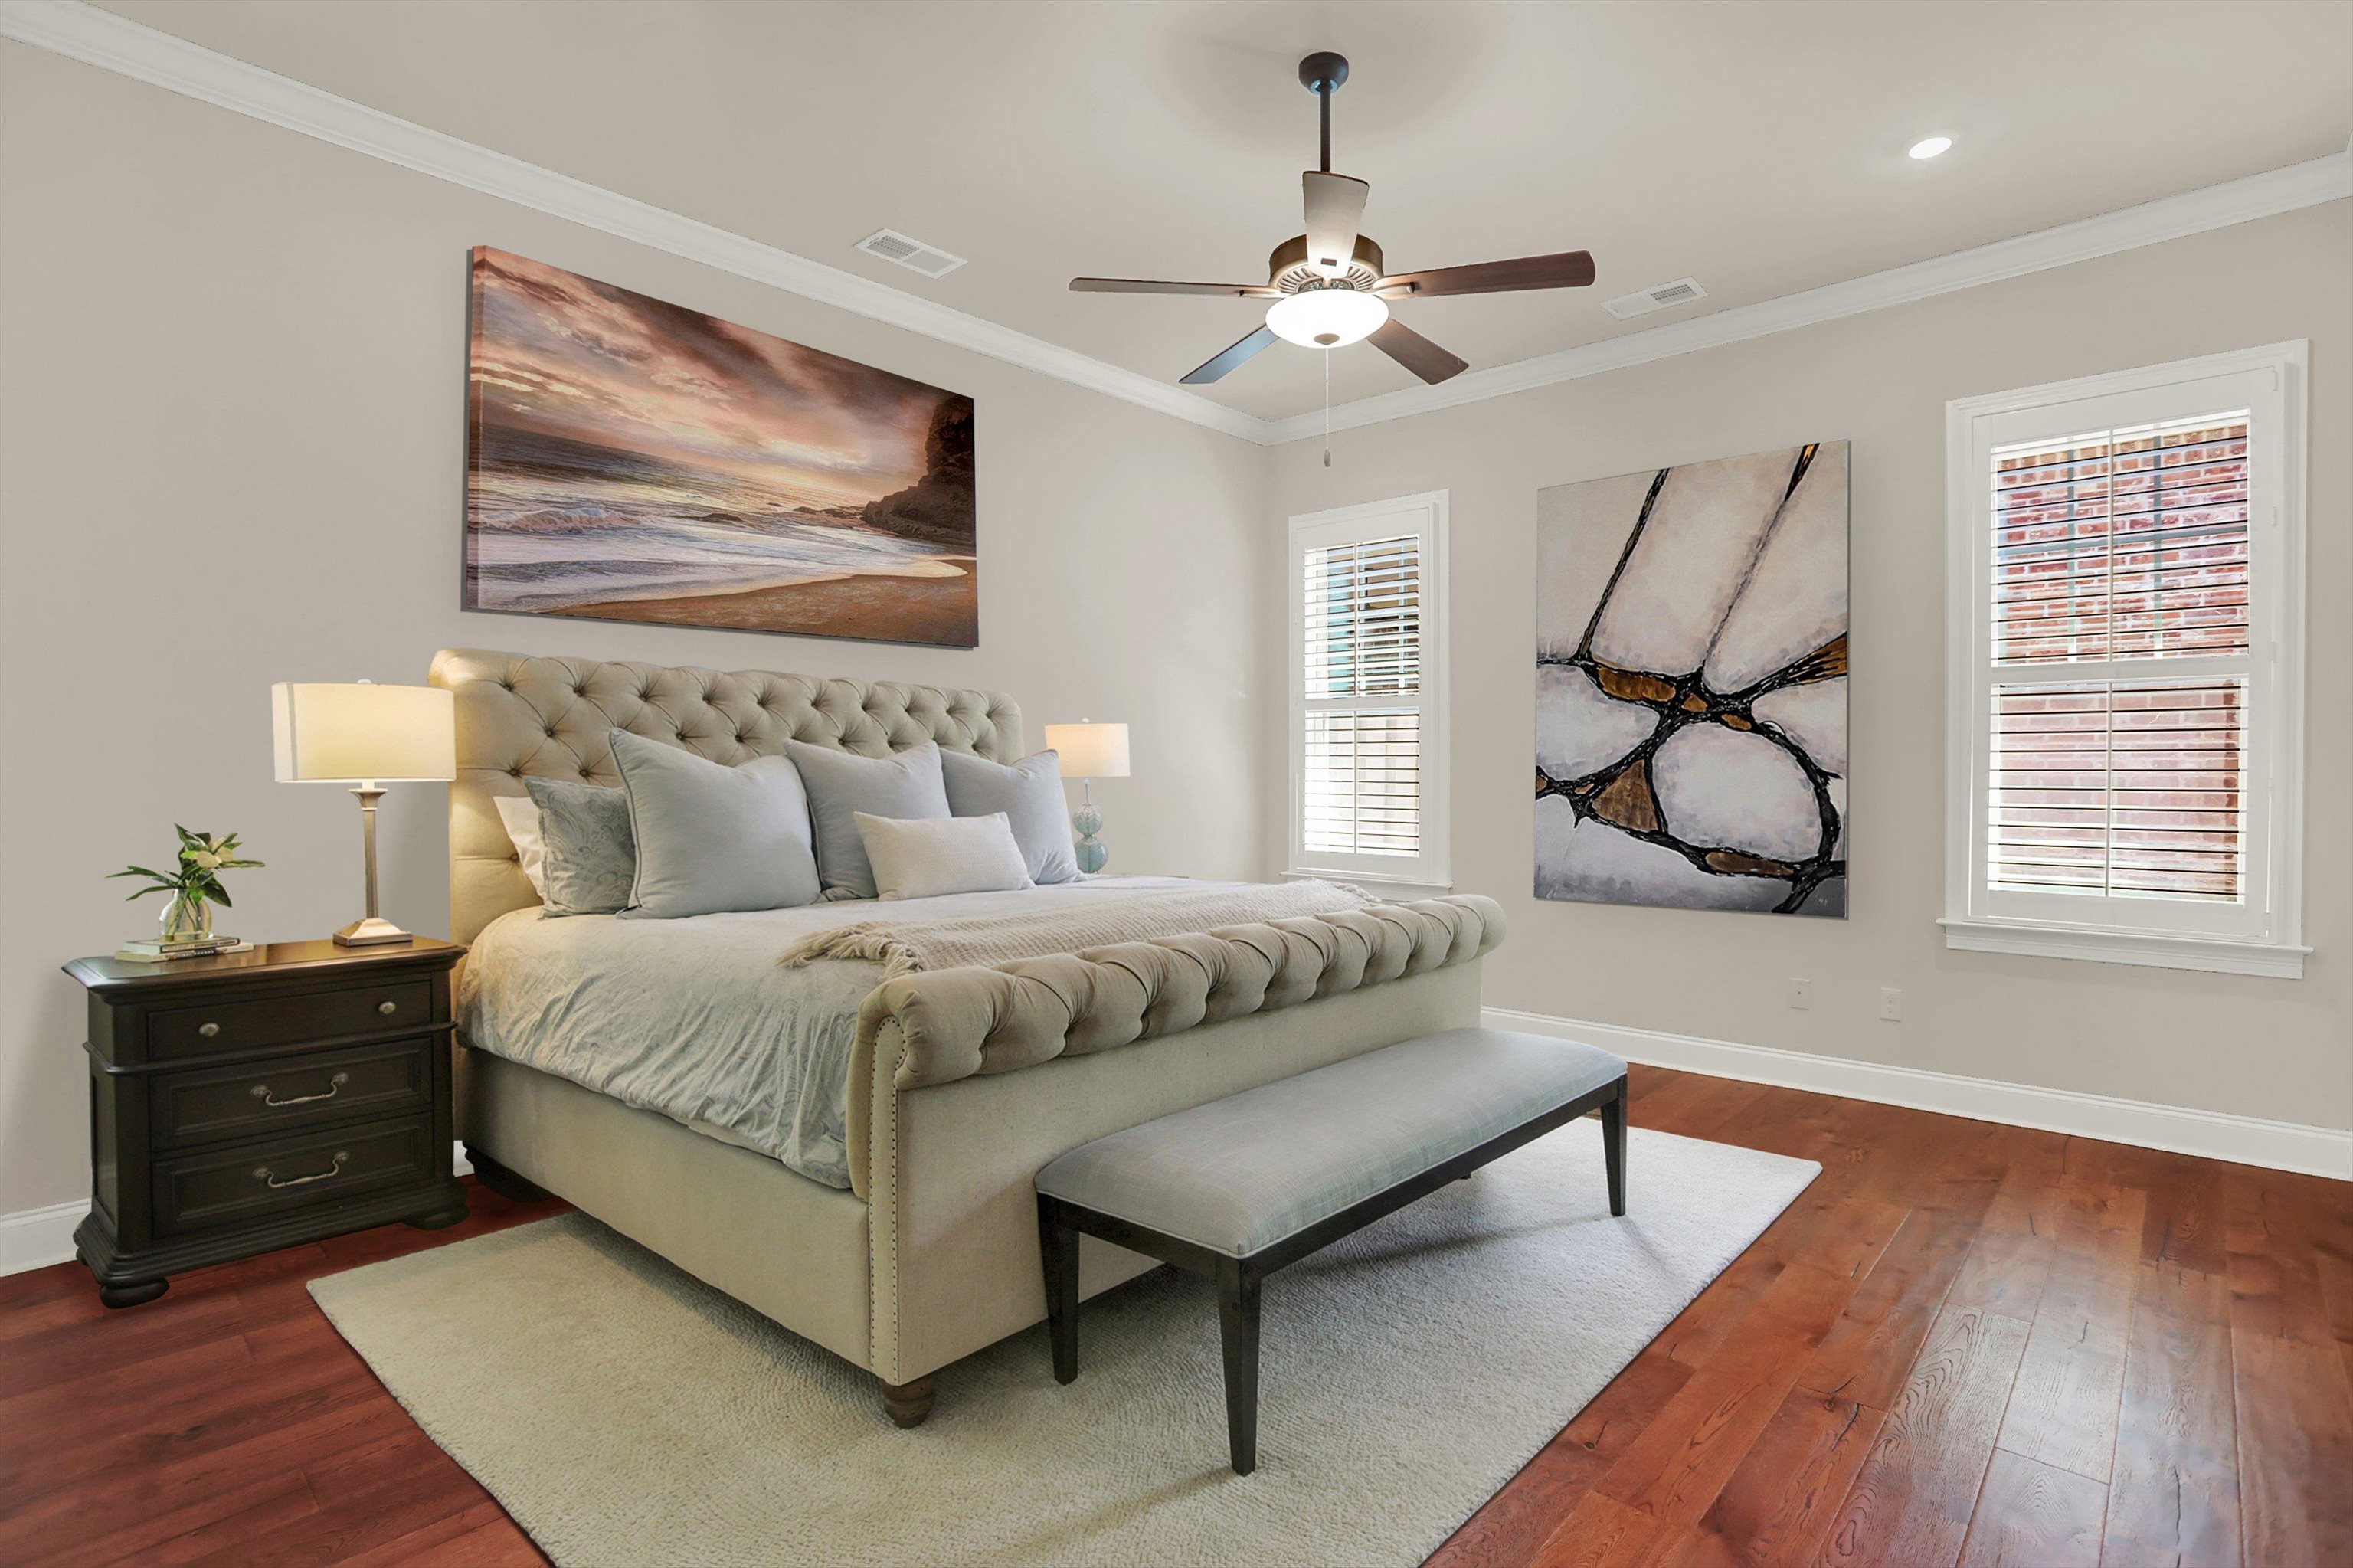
x,y
1091,851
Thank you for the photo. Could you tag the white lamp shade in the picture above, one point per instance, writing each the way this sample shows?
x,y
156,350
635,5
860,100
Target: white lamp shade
x,y
364,733
1090,750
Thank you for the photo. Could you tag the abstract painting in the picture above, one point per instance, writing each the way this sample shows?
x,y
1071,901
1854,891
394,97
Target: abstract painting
x,y
1691,686
629,460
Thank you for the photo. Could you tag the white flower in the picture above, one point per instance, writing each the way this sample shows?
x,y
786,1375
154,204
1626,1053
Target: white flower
x,y
204,859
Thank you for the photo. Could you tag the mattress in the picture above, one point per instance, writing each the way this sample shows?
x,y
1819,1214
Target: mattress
x,y
697,1019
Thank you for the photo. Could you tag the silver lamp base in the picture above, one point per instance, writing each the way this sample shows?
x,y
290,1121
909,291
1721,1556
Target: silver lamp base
x,y
371,932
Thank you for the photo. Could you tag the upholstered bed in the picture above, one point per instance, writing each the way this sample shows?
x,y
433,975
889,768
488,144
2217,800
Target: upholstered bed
x,y
960,1082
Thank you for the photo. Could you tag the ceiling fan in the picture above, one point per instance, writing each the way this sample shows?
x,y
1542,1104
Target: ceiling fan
x,y
1327,284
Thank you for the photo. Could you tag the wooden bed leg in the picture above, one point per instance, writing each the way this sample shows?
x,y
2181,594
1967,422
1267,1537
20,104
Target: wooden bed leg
x,y
503,1181
1613,1148
906,1404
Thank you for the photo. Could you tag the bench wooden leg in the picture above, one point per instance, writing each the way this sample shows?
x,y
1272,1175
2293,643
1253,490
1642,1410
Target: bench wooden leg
x,y
1613,1147
1058,1248
1237,1321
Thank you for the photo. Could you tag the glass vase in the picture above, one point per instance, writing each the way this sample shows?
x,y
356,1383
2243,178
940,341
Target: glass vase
x,y
187,918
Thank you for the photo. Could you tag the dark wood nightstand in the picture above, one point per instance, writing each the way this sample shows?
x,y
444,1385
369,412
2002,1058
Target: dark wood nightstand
x,y
259,1100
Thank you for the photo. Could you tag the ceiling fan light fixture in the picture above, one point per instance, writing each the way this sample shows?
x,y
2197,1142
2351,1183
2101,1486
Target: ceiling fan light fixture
x,y
1326,318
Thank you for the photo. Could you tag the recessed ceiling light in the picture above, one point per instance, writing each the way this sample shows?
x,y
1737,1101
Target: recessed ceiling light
x,y
1930,146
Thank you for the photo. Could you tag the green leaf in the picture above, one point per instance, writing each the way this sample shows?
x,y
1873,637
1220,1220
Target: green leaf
x,y
219,894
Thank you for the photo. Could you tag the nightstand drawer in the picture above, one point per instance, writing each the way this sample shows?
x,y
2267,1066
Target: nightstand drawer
x,y
252,1181
288,1019
286,1094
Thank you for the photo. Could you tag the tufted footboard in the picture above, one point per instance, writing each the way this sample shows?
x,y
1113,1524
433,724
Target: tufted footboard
x,y
966,1081
954,1023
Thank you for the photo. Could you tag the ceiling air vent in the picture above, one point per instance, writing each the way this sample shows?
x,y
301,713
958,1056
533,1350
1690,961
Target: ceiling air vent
x,y
1641,302
892,246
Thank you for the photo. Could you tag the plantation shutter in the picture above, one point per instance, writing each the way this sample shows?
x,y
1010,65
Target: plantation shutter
x,y
1361,661
1367,614
2120,660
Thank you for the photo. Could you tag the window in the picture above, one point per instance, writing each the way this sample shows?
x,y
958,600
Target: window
x,y
2125,582
1368,716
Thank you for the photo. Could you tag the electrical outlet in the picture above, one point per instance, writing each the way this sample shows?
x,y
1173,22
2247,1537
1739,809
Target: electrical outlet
x,y
1801,992
1891,1004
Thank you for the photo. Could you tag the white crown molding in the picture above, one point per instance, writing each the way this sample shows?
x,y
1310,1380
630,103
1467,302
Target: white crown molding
x,y
97,37
2172,217
2212,1135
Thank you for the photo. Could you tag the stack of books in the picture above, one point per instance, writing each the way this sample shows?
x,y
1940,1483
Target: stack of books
x,y
154,950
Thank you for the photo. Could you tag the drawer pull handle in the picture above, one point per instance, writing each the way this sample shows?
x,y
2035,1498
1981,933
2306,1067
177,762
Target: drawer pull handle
x,y
261,1173
334,1086
388,1008
207,1030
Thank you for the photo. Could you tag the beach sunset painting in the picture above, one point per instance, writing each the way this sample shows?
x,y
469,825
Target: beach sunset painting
x,y
629,460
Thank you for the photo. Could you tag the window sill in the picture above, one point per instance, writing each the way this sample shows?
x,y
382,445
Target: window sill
x,y
1374,879
2155,949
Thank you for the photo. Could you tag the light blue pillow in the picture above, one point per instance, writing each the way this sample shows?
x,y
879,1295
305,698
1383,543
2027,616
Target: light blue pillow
x,y
842,784
587,856
1029,793
713,838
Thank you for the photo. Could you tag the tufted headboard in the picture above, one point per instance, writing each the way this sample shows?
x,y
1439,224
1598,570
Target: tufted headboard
x,y
519,715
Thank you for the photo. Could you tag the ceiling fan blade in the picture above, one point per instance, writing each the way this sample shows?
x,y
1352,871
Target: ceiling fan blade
x,y
1568,269
1153,286
1335,210
1217,366
1416,353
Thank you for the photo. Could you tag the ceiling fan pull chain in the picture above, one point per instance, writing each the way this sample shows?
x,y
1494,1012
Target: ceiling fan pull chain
x,y
1327,408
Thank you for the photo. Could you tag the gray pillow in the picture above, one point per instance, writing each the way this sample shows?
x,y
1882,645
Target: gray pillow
x,y
842,784
1029,793
587,855
713,838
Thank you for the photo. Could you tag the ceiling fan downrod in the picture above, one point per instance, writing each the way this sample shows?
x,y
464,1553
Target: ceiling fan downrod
x,y
1321,73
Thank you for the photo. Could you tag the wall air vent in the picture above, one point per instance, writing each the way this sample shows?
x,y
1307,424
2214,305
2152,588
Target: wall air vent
x,y
892,246
1641,302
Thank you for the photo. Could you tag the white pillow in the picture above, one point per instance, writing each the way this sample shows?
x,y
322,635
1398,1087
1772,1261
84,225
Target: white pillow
x,y
926,857
521,815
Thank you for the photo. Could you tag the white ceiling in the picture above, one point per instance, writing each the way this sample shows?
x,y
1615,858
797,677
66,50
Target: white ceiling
x,y
1756,145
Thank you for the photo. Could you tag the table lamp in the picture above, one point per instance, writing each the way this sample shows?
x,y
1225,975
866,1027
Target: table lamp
x,y
1088,752
366,736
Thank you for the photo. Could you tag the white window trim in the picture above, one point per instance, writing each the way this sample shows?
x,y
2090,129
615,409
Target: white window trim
x,y
1431,870
2271,943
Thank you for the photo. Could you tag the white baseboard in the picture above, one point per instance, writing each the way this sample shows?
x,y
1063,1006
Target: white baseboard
x,y
36,1238
39,1237
2215,1135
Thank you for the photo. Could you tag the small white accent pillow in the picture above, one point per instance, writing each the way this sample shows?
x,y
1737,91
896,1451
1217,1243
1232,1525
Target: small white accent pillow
x,y
927,857
521,815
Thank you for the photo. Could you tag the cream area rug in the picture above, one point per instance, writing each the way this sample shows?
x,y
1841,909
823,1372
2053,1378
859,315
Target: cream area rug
x,y
629,1416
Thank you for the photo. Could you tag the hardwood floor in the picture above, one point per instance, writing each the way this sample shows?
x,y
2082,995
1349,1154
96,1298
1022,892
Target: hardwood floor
x,y
1965,1344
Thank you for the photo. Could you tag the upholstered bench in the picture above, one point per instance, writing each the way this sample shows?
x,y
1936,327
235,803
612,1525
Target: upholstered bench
x,y
1239,1187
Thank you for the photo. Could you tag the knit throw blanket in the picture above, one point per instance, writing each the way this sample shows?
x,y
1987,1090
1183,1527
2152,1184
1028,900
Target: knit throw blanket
x,y
906,946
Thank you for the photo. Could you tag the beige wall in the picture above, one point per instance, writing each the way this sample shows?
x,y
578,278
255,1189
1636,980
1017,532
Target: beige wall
x,y
231,440
232,371
2270,1048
